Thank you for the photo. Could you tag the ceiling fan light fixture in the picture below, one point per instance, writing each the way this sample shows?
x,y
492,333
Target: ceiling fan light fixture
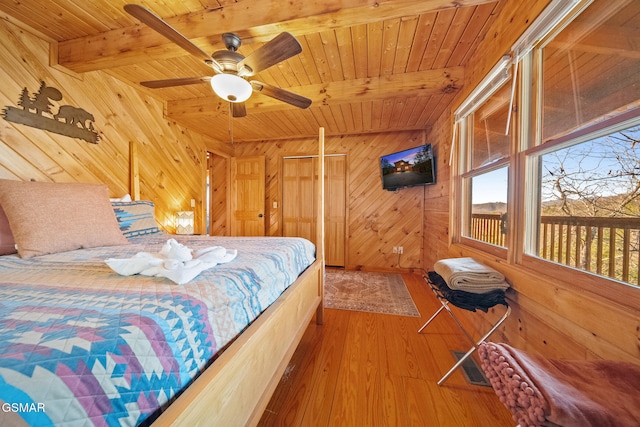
x,y
231,88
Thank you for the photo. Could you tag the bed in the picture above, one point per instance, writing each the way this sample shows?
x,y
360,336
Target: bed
x,y
83,345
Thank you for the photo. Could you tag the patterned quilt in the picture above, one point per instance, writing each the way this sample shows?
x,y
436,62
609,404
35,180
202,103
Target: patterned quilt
x,y
82,346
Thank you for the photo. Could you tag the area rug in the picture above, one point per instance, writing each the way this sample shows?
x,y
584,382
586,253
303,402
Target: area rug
x,y
383,293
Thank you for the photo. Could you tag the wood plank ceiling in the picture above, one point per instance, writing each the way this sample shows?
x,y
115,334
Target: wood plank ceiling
x,y
368,66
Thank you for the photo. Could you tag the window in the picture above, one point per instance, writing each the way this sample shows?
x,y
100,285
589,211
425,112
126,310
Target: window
x,y
489,206
577,145
485,170
587,164
590,68
589,203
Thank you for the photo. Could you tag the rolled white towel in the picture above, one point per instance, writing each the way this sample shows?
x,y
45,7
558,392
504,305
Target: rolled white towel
x,y
135,265
469,275
217,254
176,251
175,261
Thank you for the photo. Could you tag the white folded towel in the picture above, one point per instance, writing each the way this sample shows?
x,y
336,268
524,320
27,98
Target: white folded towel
x,y
467,274
175,261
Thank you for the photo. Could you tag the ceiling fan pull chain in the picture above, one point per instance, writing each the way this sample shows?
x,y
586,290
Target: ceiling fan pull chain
x,y
231,121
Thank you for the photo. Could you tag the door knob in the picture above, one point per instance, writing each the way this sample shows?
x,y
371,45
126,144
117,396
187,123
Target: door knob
x,y
260,215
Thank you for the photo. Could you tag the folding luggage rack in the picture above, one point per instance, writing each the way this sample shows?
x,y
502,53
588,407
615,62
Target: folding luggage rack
x,y
442,294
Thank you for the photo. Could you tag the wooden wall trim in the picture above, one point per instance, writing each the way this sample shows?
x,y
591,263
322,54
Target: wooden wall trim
x,y
134,178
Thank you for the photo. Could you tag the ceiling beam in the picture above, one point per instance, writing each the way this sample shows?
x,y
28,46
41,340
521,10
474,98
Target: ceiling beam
x,y
419,83
255,22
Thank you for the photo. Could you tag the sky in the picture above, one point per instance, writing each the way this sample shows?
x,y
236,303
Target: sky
x,y
403,155
595,163
490,187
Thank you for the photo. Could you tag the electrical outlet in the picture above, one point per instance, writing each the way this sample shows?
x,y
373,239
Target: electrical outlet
x,y
395,249
400,249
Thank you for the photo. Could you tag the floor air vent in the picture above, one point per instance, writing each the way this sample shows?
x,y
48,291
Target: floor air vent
x,y
472,371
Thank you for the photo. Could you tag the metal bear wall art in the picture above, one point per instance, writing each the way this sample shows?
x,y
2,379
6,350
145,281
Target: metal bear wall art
x,y
35,111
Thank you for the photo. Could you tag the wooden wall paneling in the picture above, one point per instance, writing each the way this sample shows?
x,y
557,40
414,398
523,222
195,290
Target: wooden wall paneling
x,y
378,219
218,184
25,161
170,158
274,190
61,158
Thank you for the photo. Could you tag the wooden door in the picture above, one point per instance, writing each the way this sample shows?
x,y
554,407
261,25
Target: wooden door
x,y
299,197
247,196
300,178
335,168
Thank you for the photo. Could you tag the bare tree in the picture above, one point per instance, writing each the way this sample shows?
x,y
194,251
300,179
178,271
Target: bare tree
x,y
599,178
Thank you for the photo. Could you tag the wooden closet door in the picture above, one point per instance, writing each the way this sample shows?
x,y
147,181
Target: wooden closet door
x,y
298,197
300,178
335,168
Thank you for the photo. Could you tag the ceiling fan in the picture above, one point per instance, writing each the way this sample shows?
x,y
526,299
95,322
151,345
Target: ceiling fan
x,y
231,68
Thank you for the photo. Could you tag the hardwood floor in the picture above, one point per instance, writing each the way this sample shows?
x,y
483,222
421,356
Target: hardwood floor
x,y
366,369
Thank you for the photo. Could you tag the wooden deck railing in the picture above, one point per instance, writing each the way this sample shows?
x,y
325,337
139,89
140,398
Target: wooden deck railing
x,y
606,246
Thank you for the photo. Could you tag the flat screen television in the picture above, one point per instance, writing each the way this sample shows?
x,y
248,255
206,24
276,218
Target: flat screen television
x,y
408,168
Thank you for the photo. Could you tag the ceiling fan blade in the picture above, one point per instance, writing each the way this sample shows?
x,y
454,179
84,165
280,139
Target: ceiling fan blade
x,y
281,94
156,23
238,109
182,81
282,47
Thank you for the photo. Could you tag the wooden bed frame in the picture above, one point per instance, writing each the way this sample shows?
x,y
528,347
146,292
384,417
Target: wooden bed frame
x,y
236,388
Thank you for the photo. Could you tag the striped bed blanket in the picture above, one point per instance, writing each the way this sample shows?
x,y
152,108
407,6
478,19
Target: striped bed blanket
x,y
82,345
